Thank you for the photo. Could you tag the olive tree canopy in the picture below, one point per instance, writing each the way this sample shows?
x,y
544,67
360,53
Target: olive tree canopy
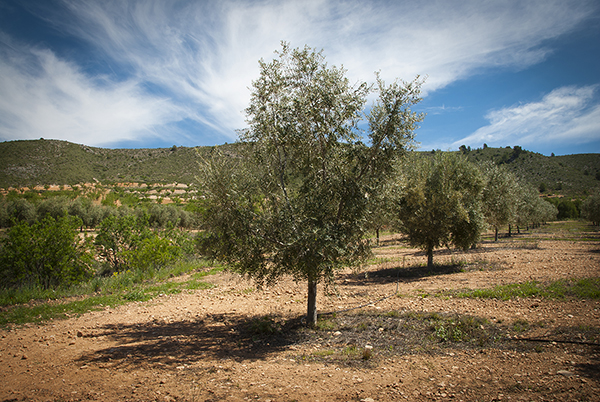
x,y
294,199
438,202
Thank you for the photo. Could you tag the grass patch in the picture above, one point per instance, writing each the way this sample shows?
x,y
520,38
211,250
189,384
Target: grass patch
x,y
23,314
323,353
34,305
360,338
588,288
198,285
457,328
324,324
211,271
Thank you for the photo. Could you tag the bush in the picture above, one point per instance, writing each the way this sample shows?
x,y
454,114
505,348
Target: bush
x,y
45,254
118,235
590,209
128,242
157,251
19,210
567,209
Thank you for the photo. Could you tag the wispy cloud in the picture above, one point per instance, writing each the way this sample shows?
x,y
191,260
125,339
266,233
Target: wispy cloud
x,y
54,99
565,116
196,60
433,110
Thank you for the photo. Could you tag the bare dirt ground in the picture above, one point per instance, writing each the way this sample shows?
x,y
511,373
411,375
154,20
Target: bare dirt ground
x,y
236,343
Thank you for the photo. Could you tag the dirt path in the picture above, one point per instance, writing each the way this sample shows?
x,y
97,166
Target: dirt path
x,y
216,344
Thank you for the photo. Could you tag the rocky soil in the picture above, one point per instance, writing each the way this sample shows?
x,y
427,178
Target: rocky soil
x,y
386,335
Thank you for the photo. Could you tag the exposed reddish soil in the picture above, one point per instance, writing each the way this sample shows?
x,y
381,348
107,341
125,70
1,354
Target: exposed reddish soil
x,y
209,345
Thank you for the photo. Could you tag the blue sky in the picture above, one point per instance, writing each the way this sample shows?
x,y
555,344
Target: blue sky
x,y
146,74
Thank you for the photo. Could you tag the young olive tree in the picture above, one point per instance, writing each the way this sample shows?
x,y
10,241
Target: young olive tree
x,y
294,201
500,196
438,202
590,209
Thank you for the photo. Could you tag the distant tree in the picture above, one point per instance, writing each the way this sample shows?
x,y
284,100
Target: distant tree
x,y
499,196
590,209
517,151
4,218
531,210
296,201
56,207
117,235
20,210
439,202
567,209
379,214
545,212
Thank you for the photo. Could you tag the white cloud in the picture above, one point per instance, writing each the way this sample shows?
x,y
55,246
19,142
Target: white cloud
x,y
202,56
55,100
565,116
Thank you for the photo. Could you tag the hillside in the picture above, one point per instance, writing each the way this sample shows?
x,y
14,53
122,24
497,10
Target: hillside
x,y
568,174
45,162
42,162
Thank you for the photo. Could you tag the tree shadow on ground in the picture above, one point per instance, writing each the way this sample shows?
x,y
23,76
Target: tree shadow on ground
x,y
399,273
590,369
173,344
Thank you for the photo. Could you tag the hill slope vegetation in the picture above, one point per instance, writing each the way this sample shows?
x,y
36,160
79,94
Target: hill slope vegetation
x,y
46,162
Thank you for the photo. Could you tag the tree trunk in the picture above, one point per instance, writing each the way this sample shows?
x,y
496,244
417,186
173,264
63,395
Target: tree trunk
x,y
377,231
430,258
509,230
496,234
311,313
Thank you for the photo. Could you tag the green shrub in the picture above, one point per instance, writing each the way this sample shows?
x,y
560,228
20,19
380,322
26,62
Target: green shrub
x,y
116,236
47,254
127,242
153,252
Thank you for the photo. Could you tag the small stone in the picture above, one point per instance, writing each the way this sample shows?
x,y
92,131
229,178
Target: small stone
x,y
565,373
79,334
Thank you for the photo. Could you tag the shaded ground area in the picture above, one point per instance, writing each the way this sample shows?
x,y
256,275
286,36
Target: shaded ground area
x,y
394,331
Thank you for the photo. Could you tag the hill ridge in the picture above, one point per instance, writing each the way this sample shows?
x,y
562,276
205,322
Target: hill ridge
x,y
27,163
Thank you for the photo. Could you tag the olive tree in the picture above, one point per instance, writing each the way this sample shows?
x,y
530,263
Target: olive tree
x,y
500,196
438,202
295,198
590,209
531,209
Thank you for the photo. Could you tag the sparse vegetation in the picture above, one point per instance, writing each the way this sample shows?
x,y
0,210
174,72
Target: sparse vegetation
x,y
587,288
31,304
